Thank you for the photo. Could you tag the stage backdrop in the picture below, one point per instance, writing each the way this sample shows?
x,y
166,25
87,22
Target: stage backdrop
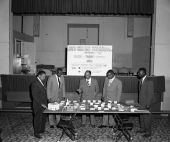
x,y
97,58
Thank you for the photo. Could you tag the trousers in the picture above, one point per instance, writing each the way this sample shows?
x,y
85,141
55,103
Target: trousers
x,y
54,119
145,122
108,120
39,121
92,119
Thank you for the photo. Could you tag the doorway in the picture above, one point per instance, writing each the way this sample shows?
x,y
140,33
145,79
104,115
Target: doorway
x,y
83,34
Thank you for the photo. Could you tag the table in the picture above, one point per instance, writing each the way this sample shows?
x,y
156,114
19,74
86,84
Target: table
x,y
96,107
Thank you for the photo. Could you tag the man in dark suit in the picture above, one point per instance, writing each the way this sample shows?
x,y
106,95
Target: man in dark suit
x,y
146,97
88,88
39,96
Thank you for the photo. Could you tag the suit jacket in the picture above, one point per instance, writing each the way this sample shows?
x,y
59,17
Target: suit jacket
x,y
113,91
89,92
39,95
54,93
146,93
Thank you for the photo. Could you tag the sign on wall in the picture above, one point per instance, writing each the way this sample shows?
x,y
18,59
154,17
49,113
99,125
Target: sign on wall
x,y
97,58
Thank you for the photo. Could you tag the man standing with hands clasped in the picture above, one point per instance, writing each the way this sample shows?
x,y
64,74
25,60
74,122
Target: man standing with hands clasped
x,y
55,93
39,96
145,98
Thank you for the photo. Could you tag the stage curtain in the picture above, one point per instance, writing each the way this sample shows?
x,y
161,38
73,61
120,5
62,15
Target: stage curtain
x,y
22,83
129,83
76,7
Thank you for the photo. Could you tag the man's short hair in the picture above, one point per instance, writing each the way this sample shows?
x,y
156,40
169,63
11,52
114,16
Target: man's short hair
x,y
41,72
110,71
59,69
142,69
88,72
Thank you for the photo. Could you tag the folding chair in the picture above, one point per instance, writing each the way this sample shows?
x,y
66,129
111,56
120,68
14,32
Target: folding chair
x,y
122,128
66,124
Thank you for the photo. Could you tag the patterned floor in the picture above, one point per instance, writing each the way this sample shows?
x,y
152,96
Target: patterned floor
x,y
17,127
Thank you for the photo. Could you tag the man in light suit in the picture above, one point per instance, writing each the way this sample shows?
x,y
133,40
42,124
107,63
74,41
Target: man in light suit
x,y
146,99
88,89
111,92
39,97
55,93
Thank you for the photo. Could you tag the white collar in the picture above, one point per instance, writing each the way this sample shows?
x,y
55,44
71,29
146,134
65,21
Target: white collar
x,y
89,80
57,76
40,81
111,80
143,78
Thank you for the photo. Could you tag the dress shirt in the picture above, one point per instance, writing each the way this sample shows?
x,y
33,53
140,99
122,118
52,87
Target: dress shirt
x,y
143,78
111,80
88,81
141,82
58,81
40,81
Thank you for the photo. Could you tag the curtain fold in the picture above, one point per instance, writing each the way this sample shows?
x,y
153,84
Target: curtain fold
x,y
75,7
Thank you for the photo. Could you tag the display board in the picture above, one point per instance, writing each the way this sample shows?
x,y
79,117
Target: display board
x,y
97,58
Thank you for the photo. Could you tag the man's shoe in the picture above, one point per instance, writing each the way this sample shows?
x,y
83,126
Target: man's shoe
x,y
42,132
46,132
102,126
147,135
51,126
113,126
37,136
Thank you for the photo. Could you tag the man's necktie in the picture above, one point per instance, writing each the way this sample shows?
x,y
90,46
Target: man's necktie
x,y
59,83
140,85
88,84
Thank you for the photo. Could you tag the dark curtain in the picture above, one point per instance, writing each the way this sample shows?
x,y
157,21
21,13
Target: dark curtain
x,y
76,7
129,83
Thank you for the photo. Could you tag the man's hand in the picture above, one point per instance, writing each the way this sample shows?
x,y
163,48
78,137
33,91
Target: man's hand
x,y
50,101
64,98
79,91
102,99
44,106
147,107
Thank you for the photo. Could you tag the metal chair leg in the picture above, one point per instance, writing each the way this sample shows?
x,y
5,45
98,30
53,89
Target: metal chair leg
x,y
62,135
69,134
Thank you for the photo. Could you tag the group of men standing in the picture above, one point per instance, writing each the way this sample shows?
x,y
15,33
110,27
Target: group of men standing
x,y
88,89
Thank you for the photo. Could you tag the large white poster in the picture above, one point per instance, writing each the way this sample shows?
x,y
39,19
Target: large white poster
x,y
97,58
